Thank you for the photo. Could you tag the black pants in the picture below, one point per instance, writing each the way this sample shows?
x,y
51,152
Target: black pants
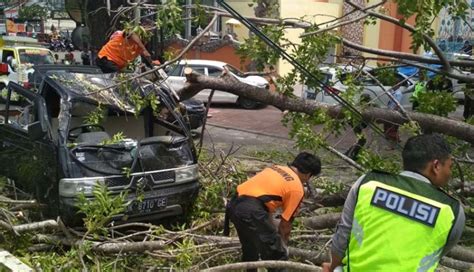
x,y
257,234
106,65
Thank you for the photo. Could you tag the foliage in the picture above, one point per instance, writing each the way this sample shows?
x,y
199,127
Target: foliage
x,y
216,186
95,117
100,210
437,103
273,156
142,32
169,18
185,258
33,12
117,138
259,52
386,76
328,186
370,160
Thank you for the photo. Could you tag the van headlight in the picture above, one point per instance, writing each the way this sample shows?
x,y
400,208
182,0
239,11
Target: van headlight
x,y
72,187
186,174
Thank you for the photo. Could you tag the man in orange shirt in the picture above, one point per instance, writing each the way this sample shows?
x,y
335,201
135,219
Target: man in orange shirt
x,y
121,49
274,187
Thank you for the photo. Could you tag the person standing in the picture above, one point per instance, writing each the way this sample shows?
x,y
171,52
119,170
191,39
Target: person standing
x,y
420,88
123,48
401,222
259,197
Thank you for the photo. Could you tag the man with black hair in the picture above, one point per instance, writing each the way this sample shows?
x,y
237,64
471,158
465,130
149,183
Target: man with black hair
x,y
401,222
257,199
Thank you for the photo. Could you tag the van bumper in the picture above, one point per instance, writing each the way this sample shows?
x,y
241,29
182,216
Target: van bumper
x,y
179,199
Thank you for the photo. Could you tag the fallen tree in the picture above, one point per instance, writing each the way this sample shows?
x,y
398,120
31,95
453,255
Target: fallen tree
x,y
197,82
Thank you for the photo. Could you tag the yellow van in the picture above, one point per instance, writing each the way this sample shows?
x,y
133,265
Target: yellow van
x,y
21,54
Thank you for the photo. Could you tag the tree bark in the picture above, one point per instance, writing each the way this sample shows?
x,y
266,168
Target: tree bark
x,y
196,83
462,254
261,264
47,224
324,221
310,255
458,265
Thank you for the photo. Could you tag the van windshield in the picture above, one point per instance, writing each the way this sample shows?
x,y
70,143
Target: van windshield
x,y
35,56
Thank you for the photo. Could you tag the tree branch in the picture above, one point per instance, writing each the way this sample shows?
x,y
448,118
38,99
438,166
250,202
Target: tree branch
x,y
345,22
395,21
412,57
262,264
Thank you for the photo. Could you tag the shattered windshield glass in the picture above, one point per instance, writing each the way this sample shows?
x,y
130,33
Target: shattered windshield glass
x,y
105,136
155,153
93,86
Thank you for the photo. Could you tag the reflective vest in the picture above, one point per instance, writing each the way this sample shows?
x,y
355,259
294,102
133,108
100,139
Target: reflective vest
x,y
420,87
276,186
400,224
120,50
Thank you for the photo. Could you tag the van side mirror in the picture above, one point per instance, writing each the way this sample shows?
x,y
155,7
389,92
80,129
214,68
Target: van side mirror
x,y
35,131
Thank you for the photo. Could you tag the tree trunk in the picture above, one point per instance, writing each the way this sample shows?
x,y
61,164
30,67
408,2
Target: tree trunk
x,y
324,221
196,83
100,21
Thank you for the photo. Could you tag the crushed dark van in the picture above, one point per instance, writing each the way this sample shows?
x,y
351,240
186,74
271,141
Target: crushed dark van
x,y
51,148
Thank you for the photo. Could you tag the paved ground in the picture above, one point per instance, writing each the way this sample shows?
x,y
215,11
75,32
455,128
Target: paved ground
x,y
246,129
262,129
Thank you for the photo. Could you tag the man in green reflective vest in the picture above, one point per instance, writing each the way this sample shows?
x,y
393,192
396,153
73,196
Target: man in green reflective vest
x,y
401,222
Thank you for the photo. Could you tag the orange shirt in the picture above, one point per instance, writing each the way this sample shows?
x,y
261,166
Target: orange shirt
x,y
278,183
120,50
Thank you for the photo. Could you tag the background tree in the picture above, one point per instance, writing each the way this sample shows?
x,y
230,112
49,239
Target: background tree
x,y
33,12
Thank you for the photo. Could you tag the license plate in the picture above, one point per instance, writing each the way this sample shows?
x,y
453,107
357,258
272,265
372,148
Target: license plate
x,y
147,205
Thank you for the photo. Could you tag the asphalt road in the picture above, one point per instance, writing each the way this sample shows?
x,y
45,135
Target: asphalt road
x,y
230,126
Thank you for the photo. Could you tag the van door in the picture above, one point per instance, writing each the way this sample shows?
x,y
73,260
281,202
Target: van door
x,y
27,154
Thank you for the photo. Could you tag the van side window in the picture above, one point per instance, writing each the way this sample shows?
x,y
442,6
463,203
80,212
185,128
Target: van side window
x,y
7,57
6,54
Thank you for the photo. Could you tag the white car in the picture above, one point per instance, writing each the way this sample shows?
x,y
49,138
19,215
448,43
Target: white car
x,y
213,68
335,82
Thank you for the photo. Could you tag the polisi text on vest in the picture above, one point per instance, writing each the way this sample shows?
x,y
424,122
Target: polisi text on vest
x,y
406,206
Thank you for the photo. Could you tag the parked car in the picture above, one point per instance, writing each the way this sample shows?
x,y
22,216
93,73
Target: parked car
x,y
50,148
436,82
336,82
176,79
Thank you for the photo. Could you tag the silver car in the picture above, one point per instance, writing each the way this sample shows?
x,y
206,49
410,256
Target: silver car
x,y
177,80
335,78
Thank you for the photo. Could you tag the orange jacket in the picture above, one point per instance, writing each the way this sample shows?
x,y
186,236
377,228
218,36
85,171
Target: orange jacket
x,y
279,185
120,50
